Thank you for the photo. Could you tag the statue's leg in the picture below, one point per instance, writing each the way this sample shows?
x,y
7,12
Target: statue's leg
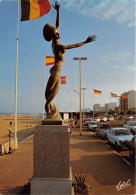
x,y
52,89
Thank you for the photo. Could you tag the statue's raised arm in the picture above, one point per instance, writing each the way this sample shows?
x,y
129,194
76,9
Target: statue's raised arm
x,y
57,7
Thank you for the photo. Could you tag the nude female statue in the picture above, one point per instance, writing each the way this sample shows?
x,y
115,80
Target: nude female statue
x,y
53,84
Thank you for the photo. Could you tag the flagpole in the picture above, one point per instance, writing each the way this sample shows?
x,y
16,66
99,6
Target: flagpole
x,y
93,104
15,133
43,86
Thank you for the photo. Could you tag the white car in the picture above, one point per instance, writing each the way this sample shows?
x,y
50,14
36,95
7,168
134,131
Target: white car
x,y
92,125
129,118
110,118
87,120
103,119
118,134
131,125
97,119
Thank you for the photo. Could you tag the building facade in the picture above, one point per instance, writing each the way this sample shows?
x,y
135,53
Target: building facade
x,y
124,102
132,100
97,107
109,106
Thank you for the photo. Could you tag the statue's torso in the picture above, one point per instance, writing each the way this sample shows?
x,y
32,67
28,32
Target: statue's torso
x,y
58,52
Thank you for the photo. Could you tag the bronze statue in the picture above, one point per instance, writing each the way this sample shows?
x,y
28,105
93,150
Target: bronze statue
x,y
51,33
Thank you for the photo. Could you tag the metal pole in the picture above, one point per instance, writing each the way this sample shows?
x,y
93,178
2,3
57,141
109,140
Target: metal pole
x,y
43,86
72,108
15,133
83,105
83,102
80,98
93,105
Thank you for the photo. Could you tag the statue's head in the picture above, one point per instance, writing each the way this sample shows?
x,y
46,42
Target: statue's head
x,y
50,32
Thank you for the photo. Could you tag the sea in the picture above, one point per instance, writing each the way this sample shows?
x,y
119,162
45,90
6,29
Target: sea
x,y
12,114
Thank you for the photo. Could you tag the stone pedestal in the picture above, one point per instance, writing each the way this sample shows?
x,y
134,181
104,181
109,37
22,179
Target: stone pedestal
x,y
52,174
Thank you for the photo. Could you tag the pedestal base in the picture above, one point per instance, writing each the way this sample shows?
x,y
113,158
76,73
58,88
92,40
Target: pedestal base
x,y
51,122
52,174
52,186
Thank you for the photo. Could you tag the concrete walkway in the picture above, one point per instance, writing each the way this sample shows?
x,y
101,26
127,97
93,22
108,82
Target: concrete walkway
x,y
17,168
88,155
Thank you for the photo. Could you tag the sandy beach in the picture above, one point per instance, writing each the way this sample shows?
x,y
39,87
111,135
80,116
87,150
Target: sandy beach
x,y
25,126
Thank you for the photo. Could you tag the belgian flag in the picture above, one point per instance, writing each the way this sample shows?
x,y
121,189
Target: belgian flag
x,y
32,9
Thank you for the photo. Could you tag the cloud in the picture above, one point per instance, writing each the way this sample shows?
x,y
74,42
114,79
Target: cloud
x,y
119,10
127,68
121,57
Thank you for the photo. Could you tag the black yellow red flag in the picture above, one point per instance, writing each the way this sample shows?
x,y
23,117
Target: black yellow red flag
x,y
32,9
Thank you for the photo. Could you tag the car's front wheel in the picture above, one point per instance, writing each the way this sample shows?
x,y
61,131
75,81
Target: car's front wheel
x,y
131,131
108,141
116,146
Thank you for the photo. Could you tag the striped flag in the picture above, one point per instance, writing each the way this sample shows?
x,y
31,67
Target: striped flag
x,y
113,95
63,79
50,60
97,92
32,9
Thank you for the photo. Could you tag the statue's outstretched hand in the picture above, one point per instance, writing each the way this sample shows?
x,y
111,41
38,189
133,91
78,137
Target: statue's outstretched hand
x,y
90,38
57,5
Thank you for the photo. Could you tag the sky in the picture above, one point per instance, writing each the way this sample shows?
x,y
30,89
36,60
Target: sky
x,y
110,64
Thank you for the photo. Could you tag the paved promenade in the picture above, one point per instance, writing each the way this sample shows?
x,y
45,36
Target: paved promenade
x,y
88,155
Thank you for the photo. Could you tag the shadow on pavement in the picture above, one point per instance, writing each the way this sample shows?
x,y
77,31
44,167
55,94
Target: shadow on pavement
x,y
107,169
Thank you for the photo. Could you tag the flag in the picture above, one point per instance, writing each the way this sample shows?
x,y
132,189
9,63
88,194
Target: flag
x,y
32,9
124,97
113,95
50,60
63,79
97,92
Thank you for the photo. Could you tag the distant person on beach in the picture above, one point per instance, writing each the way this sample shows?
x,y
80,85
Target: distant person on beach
x,y
10,124
51,33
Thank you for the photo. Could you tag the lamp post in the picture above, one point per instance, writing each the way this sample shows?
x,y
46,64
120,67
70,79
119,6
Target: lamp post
x,y
83,102
83,58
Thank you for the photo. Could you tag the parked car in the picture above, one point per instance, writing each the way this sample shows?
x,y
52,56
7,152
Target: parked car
x,y
115,135
97,119
110,118
103,119
130,146
92,125
87,120
130,117
131,125
102,130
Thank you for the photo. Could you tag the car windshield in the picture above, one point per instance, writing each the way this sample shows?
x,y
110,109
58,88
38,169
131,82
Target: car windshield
x,y
122,132
132,124
93,123
106,126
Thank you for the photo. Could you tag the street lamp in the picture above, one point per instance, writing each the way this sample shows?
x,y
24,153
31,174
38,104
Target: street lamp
x,y
83,58
83,102
77,92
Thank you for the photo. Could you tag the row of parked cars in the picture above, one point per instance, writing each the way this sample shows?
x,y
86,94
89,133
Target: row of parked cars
x,y
120,137
98,119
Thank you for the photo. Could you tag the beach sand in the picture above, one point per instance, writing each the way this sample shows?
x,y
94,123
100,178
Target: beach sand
x,y
25,126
